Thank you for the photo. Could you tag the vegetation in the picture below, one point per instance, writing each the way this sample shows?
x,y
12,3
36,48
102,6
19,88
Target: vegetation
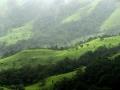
x,y
59,45
29,75
45,56
101,75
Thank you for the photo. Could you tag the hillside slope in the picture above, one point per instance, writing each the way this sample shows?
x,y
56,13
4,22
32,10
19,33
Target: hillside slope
x,y
46,56
49,82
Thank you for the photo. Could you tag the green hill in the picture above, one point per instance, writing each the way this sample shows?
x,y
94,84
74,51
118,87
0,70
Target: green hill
x,y
49,82
45,56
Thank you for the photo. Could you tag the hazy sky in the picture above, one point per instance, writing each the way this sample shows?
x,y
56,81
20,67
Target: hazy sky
x,y
2,2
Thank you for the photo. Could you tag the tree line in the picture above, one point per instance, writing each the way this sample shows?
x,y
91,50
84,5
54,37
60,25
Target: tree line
x,y
31,74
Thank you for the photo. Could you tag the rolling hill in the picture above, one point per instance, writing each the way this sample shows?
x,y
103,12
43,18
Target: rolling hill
x,y
47,56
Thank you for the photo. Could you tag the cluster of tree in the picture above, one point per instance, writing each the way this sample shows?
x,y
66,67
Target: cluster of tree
x,y
32,74
82,42
100,75
24,75
101,53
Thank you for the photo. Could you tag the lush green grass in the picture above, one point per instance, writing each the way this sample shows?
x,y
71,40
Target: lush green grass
x,y
33,57
33,87
45,56
49,82
113,21
17,34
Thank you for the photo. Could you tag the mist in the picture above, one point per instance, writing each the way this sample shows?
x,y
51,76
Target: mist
x,y
50,23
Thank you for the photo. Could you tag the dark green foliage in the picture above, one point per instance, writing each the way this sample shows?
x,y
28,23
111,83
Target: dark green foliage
x,y
100,75
17,87
29,74
24,75
101,53
70,84
1,88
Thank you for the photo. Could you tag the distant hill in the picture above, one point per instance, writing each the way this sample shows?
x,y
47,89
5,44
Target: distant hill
x,y
54,23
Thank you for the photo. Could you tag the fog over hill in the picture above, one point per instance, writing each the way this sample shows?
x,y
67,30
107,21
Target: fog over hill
x,y
46,23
